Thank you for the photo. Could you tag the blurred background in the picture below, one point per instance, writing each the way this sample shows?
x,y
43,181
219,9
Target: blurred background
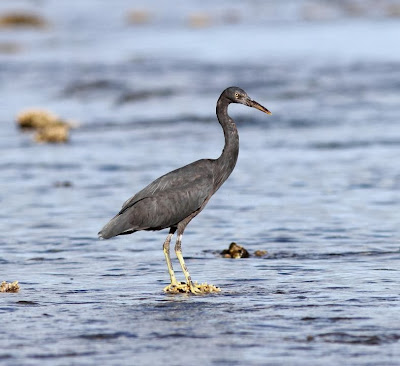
x,y
129,91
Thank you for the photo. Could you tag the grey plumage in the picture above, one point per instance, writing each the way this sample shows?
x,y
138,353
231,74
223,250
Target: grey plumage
x,y
166,201
174,199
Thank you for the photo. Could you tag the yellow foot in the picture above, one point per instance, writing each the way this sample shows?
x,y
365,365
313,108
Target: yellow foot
x,y
203,288
177,288
194,288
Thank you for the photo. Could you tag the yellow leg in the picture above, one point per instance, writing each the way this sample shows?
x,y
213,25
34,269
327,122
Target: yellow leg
x,y
194,288
168,258
174,287
178,252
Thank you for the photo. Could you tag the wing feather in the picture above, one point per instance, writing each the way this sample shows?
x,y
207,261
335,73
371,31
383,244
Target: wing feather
x,y
166,201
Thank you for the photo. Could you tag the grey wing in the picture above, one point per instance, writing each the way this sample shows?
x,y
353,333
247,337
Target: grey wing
x,y
198,173
165,202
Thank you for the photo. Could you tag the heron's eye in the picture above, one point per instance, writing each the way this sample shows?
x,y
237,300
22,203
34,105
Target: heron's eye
x,y
237,95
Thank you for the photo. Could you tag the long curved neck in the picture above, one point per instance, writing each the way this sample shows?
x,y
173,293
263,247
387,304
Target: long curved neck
x,y
227,161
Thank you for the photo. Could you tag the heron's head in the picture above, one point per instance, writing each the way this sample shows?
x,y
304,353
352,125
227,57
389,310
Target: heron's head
x,y
238,95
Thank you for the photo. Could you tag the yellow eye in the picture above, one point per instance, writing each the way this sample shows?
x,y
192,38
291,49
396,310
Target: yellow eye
x,y
236,95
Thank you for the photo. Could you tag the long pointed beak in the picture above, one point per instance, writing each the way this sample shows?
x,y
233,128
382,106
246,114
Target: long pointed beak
x,y
254,104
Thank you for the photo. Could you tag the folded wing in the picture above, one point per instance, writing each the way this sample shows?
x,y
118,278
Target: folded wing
x,y
164,202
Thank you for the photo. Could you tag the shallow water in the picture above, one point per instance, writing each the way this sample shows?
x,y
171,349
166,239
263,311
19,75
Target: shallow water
x,y
316,185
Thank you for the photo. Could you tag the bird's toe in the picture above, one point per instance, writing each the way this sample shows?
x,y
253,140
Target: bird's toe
x,y
177,288
204,288
194,288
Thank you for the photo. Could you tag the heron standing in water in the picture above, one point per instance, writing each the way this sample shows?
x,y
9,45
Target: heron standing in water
x,y
174,199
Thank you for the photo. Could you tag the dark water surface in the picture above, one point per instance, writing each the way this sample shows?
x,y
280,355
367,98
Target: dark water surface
x,y
317,185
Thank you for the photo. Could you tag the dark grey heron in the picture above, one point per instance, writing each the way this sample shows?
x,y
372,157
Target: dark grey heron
x,y
174,199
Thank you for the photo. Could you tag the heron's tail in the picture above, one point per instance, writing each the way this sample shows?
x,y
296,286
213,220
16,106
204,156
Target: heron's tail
x,y
105,233
116,226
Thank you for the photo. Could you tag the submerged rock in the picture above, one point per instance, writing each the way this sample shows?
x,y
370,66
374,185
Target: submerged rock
x,y
235,251
22,20
53,134
37,118
9,287
260,253
48,126
137,17
199,20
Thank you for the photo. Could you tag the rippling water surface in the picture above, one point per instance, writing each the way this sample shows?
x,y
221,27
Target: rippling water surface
x,y
317,185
